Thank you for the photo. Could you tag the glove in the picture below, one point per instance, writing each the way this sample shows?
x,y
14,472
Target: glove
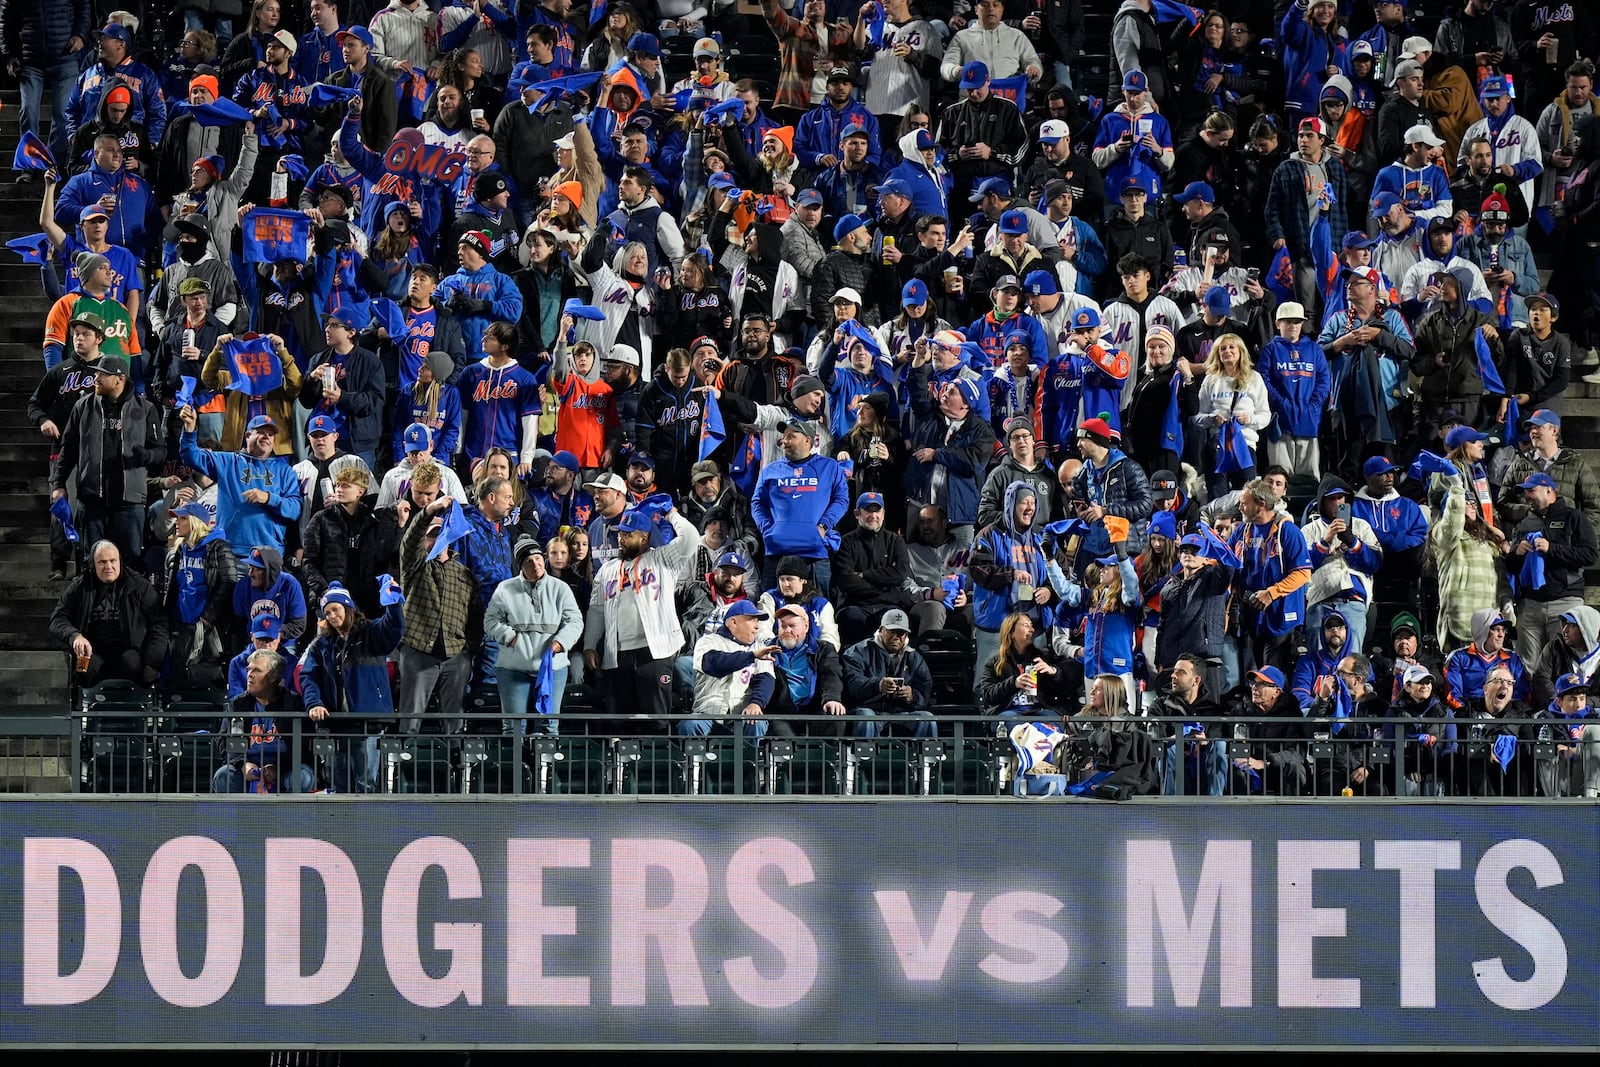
x,y
389,590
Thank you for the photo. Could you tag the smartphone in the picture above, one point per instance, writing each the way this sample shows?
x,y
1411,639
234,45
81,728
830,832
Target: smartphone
x,y
1254,274
1344,515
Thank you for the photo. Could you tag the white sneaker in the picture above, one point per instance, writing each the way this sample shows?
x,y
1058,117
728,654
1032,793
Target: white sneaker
x,y
1591,358
1593,377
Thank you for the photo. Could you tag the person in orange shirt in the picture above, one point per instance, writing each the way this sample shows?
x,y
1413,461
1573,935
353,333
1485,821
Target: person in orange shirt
x,y
121,338
584,417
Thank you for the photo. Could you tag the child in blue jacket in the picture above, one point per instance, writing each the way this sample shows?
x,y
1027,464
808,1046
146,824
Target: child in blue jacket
x,y
344,672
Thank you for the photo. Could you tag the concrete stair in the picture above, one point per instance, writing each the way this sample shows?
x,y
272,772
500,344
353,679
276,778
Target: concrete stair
x,y
33,668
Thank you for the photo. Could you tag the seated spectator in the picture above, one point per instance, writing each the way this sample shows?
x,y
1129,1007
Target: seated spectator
x,y
733,675
1205,772
1022,679
1417,733
888,682
1105,738
112,621
1405,650
344,680
1348,695
871,570
1577,652
1497,752
1276,761
532,616
265,636
265,766
1466,668
1008,568
1570,724
807,670
794,586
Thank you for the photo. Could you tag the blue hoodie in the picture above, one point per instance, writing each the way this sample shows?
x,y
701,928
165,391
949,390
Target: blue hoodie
x,y
485,283
282,597
1298,384
247,525
1397,523
130,220
930,190
1316,664
1000,550
817,133
1307,54
793,499
845,384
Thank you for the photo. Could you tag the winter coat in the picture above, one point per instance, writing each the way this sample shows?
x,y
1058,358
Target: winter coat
x,y
1441,332
1572,550
138,606
1194,616
997,692
217,572
1307,54
1575,478
82,448
38,33
1121,489
349,674
962,454
870,570
838,270
149,106
532,615
868,663
341,547
1046,492
1468,567
361,396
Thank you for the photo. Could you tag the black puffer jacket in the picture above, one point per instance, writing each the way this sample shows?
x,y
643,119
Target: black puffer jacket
x,y
38,33
838,270
341,547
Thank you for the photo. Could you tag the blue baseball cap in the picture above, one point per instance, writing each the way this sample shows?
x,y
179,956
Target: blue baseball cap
x,y
1270,675
1358,239
855,129
1085,318
1543,417
1014,223
1194,541
1539,480
418,437
1135,82
735,559
116,30
93,211
894,187
1462,435
915,293
925,140
869,500
1196,191
1040,283
998,186
1218,300
261,422
1568,683
197,509
360,33
642,459
1378,465
266,627
1383,203
848,224
321,424
634,521
741,608
807,198
1133,184
974,75
565,459
1494,85
646,43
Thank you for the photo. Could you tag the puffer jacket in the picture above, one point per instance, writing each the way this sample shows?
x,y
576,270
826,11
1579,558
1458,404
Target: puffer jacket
x,y
839,270
349,674
38,34
341,547
1121,489
1575,478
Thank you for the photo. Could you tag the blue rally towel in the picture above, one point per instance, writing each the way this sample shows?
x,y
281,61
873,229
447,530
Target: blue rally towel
x,y
62,510
713,431
1513,433
185,395
715,112
272,234
32,154
454,527
387,313
1486,368
295,166
597,12
389,590
1428,463
544,687
554,89
1218,549
1233,451
1172,11
252,365
579,310
1172,423
324,95
656,507
876,23
1012,89
1505,747
1531,574
1279,278
223,112
34,248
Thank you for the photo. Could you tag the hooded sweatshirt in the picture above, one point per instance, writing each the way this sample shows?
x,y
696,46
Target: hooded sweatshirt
x,y
793,499
929,186
1002,549
1397,522
281,596
1466,669
1298,384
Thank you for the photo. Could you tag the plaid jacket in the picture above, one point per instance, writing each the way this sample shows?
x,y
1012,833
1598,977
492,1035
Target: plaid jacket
x,y
441,597
800,50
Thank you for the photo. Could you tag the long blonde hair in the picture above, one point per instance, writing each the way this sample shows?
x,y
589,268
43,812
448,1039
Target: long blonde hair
x,y
1113,693
1214,360
199,530
1003,667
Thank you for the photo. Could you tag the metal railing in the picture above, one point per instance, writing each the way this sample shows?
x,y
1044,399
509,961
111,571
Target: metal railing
x,y
193,752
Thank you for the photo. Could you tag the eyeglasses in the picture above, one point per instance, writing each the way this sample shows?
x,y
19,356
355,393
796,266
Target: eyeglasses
x,y
479,152
1348,674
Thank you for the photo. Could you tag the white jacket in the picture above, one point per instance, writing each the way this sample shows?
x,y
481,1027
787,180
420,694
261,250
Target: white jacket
x,y
533,614
1218,397
653,580
400,474
728,695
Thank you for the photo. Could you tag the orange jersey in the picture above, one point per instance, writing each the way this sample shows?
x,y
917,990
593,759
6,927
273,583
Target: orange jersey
x,y
121,338
583,418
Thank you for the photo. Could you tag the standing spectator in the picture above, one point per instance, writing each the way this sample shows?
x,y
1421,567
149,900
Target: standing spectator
x,y
419,446
1573,474
345,382
1298,384
1557,129
443,621
1002,49
1515,143
112,617
982,134
1465,545
1272,581
1309,182
41,44
404,31
266,590
258,494
115,66
1136,45
820,132
1358,341
1467,669
377,107
198,582
1108,484
341,541
1134,140
344,679
242,409
1008,568
1446,358
1564,538
632,630
1541,359
500,402
1023,462
1231,392
951,446
52,402
797,504
109,443
1397,523
1345,557
486,552
1313,45
530,616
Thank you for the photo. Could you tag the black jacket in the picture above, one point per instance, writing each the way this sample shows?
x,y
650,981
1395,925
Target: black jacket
x,y
868,663
1149,238
61,388
870,570
994,121
1194,616
83,457
836,271
1280,741
997,692
360,401
667,427
39,33
341,547
170,366
221,574
138,604
1123,748
1572,550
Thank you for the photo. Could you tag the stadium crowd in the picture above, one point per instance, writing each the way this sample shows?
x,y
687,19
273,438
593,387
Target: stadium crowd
x,y
1198,366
